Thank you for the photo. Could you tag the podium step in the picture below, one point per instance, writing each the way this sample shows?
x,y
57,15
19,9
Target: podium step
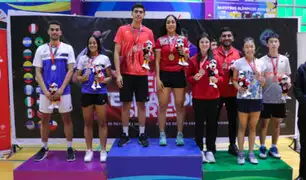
x,y
226,168
55,167
155,162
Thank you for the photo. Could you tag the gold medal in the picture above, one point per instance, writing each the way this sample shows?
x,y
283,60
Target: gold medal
x,y
171,57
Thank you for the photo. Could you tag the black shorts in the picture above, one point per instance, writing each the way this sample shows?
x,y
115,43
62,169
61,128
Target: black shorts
x,y
273,110
249,105
134,84
173,79
93,99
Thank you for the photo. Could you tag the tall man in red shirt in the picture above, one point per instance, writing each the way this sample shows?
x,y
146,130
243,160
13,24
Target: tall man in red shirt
x,y
131,76
226,54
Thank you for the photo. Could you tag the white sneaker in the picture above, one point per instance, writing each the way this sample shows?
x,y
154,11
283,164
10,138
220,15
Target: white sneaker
x,y
210,157
252,158
204,160
240,158
103,156
88,156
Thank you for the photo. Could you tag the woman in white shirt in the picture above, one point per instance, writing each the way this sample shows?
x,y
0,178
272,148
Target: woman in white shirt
x,y
248,79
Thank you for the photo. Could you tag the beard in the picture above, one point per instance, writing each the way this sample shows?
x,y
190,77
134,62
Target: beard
x,y
226,43
54,38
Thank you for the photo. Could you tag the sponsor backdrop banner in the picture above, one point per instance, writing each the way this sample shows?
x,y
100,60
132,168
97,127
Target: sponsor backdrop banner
x,y
192,9
236,9
5,130
29,32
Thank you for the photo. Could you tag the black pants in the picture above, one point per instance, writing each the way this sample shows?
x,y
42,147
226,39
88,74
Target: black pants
x,y
302,130
231,109
206,111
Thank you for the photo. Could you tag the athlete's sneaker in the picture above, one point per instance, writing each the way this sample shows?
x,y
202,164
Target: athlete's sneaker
x,y
274,153
252,159
179,139
233,149
41,154
162,139
124,139
88,156
263,152
204,160
103,156
210,157
240,158
70,155
143,140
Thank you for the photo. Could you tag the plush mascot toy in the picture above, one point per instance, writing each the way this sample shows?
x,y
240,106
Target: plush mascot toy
x,y
243,82
52,89
212,71
147,51
180,48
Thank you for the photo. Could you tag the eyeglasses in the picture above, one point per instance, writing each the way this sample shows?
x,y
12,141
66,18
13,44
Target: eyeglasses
x,y
138,11
226,35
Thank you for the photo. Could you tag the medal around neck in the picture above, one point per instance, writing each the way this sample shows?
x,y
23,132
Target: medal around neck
x,y
53,67
171,57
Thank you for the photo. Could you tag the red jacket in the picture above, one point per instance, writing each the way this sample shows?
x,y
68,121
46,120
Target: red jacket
x,y
201,88
226,90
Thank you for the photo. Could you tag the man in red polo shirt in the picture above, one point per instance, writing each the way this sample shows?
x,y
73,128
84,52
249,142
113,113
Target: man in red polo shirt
x,y
131,76
226,54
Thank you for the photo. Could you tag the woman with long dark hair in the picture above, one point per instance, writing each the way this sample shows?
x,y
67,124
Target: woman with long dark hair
x,y
94,72
170,75
204,73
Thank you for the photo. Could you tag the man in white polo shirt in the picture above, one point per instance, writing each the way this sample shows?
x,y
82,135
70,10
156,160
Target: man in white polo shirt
x,y
54,62
274,104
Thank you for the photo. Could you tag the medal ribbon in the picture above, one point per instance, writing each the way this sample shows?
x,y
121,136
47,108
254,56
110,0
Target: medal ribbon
x,y
52,55
275,66
172,43
253,66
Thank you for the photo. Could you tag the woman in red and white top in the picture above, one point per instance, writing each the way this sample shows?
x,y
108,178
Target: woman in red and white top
x,y
205,95
170,75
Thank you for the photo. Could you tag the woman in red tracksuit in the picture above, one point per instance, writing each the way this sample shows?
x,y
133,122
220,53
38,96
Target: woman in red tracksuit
x,y
206,95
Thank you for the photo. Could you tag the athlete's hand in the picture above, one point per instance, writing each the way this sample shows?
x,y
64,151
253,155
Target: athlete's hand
x,y
119,81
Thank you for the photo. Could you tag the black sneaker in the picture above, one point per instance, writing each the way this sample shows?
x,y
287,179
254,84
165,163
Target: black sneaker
x,y
70,155
124,139
143,140
233,149
41,154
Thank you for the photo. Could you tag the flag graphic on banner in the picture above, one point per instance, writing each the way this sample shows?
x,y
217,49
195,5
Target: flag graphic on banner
x,y
30,124
37,101
28,78
27,54
27,41
39,114
38,124
53,125
39,41
28,89
33,28
29,101
30,113
27,65
38,90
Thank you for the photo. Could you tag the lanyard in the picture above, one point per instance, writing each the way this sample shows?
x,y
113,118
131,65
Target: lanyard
x,y
53,54
135,40
91,60
275,66
172,43
253,66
